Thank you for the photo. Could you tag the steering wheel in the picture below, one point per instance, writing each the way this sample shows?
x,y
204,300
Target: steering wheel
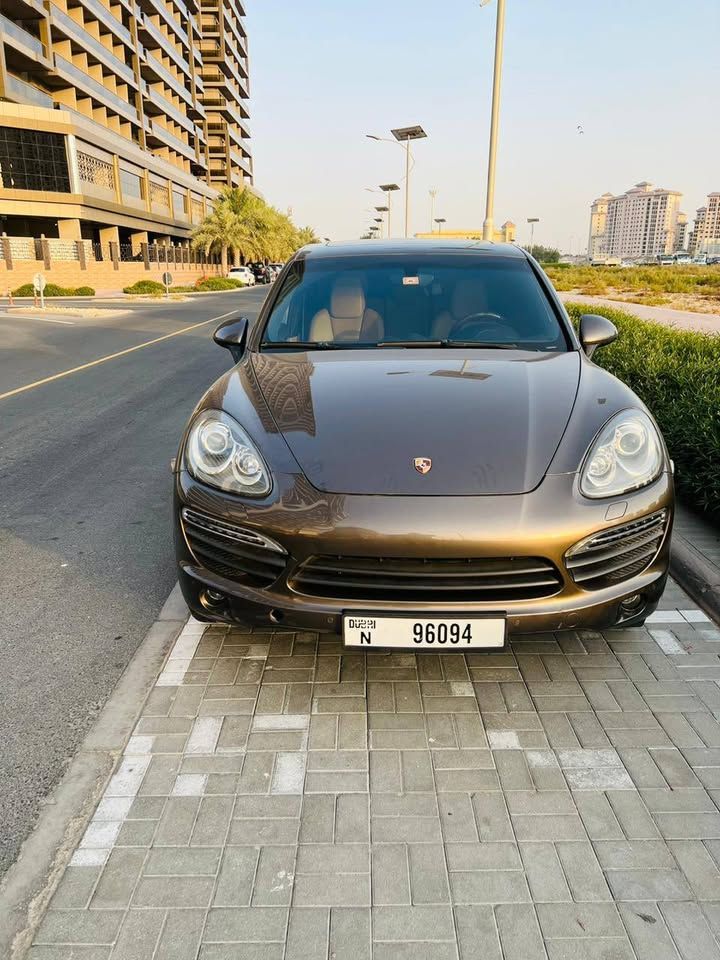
x,y
479,323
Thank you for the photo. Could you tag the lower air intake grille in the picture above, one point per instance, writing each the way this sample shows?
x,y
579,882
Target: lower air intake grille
x,y
374,578
616,554
233,552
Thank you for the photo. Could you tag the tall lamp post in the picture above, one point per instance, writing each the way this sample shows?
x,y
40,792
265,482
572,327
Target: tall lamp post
x,y
433,193
388,189
379,221
382,211
440,221
532,221
488,224
404,135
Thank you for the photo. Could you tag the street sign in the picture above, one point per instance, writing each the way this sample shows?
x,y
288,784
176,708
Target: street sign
x,y
39,282
167,279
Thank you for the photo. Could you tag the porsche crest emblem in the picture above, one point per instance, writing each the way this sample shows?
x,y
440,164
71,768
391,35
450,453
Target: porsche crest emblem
x,y
423,465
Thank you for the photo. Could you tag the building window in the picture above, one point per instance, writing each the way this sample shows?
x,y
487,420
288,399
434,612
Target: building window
x,y
132,185
33,160
180,204
98,173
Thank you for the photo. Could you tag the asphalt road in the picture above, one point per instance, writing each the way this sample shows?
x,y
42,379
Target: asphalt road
x,y
85,537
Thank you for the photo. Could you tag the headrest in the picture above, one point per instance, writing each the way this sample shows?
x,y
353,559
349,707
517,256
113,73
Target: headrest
x,y
469,297
348,300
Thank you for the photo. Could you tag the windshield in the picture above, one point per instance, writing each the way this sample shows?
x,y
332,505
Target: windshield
x,y
431,300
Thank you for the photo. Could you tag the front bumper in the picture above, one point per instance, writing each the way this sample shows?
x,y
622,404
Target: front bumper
x,y
307,522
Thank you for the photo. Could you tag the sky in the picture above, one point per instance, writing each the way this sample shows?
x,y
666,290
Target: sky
x,y
640,77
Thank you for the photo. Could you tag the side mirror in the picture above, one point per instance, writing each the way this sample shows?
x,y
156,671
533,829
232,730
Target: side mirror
x,y
596,331
233,335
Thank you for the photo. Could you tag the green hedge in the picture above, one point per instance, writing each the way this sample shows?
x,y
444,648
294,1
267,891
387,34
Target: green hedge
x,y
677,374
145,286
53,290
219,283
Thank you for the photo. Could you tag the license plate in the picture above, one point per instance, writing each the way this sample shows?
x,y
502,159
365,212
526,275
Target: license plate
x,y
423,633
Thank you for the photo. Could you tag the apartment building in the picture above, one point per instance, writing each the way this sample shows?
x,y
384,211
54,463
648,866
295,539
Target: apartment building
x,y
641,224
120,119
705,234
598,224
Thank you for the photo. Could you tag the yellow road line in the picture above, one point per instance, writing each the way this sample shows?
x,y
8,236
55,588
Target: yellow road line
x,y
111,356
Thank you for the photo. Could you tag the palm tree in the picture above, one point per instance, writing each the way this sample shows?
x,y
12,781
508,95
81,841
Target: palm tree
x,y
242,222
307,235
213,234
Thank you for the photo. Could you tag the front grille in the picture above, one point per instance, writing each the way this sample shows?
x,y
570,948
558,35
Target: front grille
x,y
233,552
375,578
616,554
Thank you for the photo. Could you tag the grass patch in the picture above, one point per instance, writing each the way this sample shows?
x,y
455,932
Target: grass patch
x,y
677,374
597,281
53,290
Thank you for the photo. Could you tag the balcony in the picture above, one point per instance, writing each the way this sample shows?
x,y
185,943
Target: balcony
x,y
153,38
152,71
93,88
21,92
67,28
22,41
103,15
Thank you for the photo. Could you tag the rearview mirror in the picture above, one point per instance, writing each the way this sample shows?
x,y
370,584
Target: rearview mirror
x,y
233,335
596,331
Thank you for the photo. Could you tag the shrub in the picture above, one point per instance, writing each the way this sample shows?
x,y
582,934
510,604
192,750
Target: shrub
x,y
53,290
145,286
219,283
675,372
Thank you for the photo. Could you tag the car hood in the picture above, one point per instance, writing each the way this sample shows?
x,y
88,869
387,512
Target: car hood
x,y
355,421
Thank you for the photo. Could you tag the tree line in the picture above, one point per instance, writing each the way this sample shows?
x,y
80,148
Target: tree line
x,y
242,226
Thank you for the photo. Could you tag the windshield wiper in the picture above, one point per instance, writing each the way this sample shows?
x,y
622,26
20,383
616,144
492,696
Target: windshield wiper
x,y
313,344
410,343
480,344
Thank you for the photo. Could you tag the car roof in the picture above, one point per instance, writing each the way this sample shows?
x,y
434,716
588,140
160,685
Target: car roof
x,y
367,248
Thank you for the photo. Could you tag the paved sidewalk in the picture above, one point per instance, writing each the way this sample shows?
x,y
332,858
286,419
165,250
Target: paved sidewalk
x,y
283,800
704,537
683,319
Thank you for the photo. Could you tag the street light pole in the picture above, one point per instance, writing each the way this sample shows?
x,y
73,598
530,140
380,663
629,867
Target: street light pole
x,y
388,189
488,225
404,135
532,221
433,194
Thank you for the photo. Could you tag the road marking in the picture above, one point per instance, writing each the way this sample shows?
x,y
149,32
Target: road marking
x,y
30,316
111,356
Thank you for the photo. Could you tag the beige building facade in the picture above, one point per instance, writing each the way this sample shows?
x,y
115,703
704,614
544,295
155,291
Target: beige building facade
x,y
120,119
505,234
705,234
642,224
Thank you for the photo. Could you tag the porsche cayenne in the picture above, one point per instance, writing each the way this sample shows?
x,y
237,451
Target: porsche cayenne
x,y
415,449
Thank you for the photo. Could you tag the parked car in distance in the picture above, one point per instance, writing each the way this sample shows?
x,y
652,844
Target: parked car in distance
x,y
414,449
260,272
244,274
274,270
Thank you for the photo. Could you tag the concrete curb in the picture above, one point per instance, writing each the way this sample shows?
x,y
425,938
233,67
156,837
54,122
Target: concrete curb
x,y
31,881
696,575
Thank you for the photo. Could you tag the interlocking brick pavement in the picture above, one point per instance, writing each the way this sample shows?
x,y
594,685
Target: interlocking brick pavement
x,y
282,799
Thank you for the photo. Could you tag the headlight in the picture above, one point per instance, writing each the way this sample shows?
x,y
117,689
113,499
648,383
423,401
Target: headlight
x,y
220,453
625,455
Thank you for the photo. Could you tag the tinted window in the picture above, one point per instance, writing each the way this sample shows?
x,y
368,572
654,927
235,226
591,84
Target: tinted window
x,y
368,300
33,160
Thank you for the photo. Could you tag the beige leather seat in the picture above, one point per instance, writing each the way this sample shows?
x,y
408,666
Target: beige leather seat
x,y
468,298
348,317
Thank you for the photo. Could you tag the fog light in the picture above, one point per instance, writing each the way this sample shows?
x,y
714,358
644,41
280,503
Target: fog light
x,y
631,606
212,599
